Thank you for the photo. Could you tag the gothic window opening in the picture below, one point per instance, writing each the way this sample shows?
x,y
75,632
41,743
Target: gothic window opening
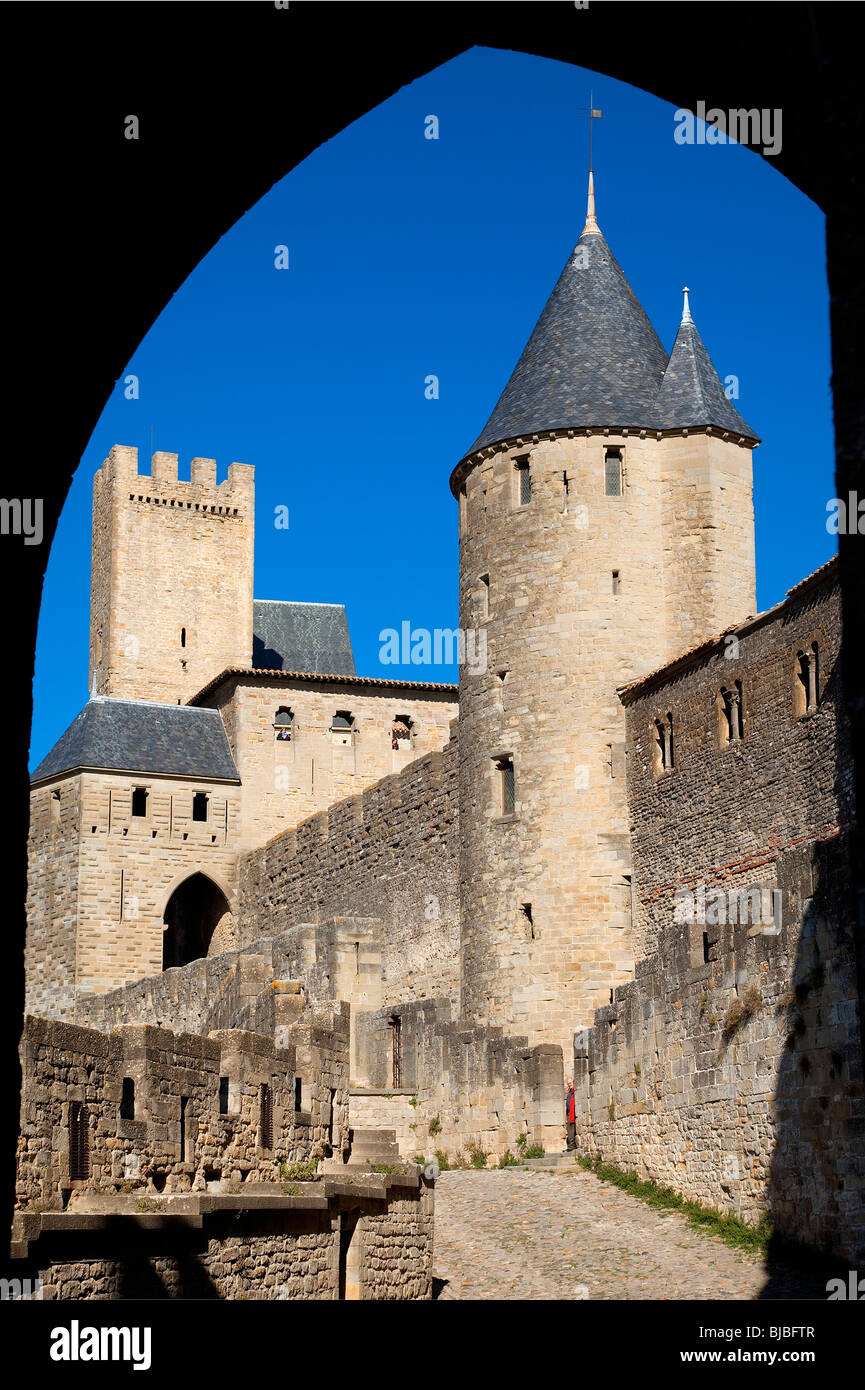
x,y
808,684
139,801
528,921
664,760
266,1116
732,724
79,1141
282,722
613,473
342,728
196,910
400,733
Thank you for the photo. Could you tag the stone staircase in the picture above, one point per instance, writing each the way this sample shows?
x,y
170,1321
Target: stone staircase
x,y
368,1146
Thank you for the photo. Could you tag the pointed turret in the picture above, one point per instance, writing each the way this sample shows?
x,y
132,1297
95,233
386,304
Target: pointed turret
x,y
593,359
691,394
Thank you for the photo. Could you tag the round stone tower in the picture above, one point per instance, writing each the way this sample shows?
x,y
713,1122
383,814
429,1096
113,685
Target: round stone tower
x,y
606,524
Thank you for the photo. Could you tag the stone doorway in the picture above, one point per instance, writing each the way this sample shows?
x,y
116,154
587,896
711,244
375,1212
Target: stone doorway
x,y
198,922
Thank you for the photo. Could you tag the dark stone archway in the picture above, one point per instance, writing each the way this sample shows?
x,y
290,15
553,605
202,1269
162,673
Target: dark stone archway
x,y
167,199
197,916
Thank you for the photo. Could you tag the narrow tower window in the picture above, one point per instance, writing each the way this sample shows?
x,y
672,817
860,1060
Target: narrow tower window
x,y
223,1095
183,637
200,802
127,1099
396,1038
808,687
664,760
613,473
616,584
79,1141
524,482
266,1117
507,797
139,801
732,725
484,595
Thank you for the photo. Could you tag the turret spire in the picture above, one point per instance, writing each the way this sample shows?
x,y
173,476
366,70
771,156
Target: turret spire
x,y
591,220
686,311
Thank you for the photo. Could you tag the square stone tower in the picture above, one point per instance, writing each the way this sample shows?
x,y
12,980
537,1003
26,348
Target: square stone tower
x,y
171,578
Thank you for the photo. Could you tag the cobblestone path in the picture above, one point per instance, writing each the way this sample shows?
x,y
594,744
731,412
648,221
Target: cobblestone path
x,y
517,1234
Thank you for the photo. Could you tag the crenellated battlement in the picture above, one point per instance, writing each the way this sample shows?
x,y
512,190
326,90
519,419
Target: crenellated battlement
x,y
162,487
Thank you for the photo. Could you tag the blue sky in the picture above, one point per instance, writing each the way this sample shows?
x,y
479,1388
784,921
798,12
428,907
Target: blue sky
x,y
410,257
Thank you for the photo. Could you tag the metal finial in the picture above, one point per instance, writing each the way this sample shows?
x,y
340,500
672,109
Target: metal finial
x,y
686,311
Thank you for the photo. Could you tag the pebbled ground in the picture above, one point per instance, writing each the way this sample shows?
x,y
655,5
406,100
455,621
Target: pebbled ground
x,y
531,1234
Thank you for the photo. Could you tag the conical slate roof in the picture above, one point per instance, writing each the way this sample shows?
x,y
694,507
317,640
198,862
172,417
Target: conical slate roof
x,y
593,359
112,735
691,393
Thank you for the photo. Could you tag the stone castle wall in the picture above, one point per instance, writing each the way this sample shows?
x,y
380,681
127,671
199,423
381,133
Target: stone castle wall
x,y
285,781
470,1084
389,854
178,1137
731,1068
171,587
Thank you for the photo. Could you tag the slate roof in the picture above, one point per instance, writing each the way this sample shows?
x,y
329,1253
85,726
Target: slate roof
x,y
691,393
112,735
593,357
594,361
311,637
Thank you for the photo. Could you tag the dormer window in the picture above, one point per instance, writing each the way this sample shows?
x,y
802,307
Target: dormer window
x,y
283,722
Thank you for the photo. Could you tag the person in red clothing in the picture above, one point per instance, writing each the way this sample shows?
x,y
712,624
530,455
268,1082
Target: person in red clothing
x,y
570,1113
